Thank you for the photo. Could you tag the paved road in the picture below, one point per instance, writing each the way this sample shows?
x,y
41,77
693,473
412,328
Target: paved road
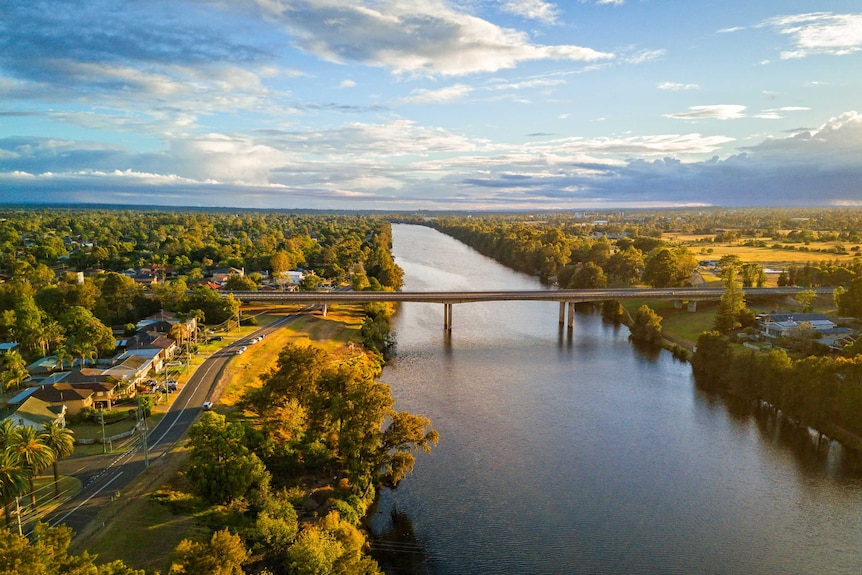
x,y
103,476
569,295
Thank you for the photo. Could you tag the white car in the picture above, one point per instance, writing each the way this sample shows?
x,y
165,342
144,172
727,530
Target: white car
x,y
207,405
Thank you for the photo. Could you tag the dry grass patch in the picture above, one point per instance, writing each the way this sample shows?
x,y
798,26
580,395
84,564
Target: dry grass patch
x,y
335,332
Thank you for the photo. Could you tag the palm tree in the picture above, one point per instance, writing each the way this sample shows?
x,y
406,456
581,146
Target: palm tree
x,y
7,429
14,370
13,480
33,455
62,442
63,354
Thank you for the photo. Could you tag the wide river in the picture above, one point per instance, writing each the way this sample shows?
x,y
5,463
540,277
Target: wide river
x,y
582,454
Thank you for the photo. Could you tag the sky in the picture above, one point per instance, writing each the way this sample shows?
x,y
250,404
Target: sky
x,y
431,104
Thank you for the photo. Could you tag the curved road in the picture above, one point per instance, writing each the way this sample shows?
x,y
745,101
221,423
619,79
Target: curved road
x,y
102,476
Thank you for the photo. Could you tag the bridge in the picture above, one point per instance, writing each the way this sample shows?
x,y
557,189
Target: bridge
x,y
566,298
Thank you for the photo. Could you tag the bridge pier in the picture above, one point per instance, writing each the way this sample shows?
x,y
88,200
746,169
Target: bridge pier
x,y
325,309
571,306
447,316
692,306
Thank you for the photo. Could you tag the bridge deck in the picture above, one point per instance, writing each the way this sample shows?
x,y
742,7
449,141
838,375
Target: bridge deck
x,y
448,297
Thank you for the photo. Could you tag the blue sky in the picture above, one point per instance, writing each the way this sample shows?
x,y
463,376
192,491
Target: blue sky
x,y
431,104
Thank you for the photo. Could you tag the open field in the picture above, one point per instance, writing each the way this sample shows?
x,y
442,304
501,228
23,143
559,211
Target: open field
x,y
770,256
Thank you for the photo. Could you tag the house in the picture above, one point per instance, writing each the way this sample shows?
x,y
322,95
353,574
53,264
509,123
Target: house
x,y
44,367
74,398
775,325
106,389
164,321
154,355
8,346
130,370
35,413
220,275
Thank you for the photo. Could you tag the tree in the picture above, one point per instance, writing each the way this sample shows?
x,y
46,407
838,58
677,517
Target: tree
x,y
223,554
86,336
589,276
752,275
222,468
667,267
236,282
118,296
646,326
33,455
731,304
279,265
30,325
626,265
61,442
14,370
806,298
406,432
849,300
13,479
712,357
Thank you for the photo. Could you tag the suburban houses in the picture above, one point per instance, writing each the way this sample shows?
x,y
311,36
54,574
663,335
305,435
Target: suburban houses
x,y
55,390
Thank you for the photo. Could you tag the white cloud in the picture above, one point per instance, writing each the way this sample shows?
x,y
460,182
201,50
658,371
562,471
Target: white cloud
x,y
643,56
347,84
423,37
443,95
677,86
820,33
534,9
713,112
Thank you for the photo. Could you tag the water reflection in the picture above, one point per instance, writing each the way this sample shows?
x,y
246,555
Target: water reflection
x,y
394,543
814,454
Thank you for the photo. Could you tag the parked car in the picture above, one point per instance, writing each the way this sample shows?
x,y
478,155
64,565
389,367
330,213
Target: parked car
x,y
216,338
207,405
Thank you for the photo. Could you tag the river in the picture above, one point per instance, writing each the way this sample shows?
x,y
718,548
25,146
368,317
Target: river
x,y
579,453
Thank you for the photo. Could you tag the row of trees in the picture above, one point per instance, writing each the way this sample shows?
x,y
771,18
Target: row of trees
x,y
573,258
823,392
24,454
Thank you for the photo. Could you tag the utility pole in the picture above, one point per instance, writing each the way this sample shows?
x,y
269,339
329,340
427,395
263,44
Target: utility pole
x,y
142,425
104,439
18,513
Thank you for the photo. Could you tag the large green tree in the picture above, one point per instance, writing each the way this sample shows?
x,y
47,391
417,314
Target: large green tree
x,y
221,466
646,326
86,335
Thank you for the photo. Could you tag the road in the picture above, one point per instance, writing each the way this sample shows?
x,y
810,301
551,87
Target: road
x,y
568,295
103,476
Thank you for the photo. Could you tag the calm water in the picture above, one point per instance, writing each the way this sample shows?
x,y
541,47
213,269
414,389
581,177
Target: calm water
x,y
583,454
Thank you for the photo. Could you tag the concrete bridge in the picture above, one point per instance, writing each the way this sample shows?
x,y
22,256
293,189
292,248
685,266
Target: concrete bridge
x,y
566,298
